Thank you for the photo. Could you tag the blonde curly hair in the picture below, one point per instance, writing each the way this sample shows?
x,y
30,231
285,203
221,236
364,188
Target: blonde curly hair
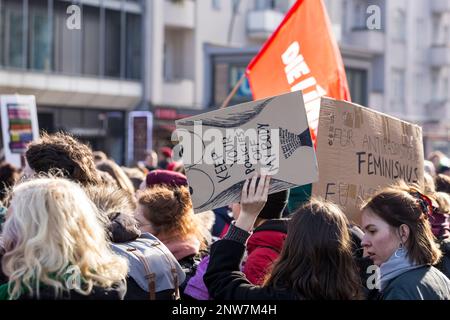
x,y
54,237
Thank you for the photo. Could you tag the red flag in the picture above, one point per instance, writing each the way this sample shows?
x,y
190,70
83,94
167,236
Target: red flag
x,y
301,54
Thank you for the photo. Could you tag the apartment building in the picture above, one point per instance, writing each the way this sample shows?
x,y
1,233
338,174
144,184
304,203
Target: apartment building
x,y
181,57
406,73
85,80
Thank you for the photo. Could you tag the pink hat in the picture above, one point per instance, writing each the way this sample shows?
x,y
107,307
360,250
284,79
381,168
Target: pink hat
x,y
166,177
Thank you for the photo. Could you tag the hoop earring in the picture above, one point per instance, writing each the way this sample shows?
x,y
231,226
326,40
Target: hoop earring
x,y
399,252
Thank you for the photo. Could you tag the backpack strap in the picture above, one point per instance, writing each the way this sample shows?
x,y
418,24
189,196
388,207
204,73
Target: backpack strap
x,y
150,276
174,272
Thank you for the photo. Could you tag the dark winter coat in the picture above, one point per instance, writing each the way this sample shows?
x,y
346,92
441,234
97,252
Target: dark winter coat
x,y
424,283
444,263
225,282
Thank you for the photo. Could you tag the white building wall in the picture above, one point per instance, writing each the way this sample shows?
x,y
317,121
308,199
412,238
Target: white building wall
x,y
394,63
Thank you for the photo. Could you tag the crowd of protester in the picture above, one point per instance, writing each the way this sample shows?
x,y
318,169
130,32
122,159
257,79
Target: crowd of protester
x,y
76,225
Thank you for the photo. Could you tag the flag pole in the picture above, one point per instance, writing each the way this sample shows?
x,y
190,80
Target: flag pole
x,y
233,92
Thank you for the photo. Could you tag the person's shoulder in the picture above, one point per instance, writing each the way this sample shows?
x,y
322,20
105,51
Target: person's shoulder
x,y
420,275
422,283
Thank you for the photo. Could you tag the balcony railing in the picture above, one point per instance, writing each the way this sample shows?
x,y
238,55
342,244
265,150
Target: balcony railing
x,y
262,23
179,13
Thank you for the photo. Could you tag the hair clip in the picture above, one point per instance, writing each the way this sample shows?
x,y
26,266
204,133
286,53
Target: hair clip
x,y
425,202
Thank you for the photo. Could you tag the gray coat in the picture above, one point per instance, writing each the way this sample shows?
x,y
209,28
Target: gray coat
x,y
424,283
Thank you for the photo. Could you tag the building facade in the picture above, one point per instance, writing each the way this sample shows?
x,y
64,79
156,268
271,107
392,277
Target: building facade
x,y
406,70
181,57
85,79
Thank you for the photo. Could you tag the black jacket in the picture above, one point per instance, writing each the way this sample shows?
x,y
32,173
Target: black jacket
x,y
444,263
98,293
135,292
225,282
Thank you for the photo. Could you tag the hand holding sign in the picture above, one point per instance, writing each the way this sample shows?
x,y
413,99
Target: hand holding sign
x,y
253,199
222,148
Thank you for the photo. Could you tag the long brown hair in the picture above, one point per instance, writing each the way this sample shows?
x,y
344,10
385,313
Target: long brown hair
x,y
316,260
403,204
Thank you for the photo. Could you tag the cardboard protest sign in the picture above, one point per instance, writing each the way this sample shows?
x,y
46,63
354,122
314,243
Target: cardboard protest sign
x,y
223,148
360,150
19,126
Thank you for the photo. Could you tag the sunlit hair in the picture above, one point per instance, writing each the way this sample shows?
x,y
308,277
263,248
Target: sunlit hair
x,y
443,201
122,180
111,200
62,151
135,175
54,237
99,156
170,211
114,203
400,204
428,183
442,183
316,261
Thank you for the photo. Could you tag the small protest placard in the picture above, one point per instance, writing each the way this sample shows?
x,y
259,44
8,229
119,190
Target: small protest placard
x,y
360,150
223,148
19,126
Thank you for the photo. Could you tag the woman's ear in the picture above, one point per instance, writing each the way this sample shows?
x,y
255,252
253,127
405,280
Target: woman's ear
x,y
404,233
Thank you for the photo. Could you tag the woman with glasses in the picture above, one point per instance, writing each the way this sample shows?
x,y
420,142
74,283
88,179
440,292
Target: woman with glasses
x,y
167,213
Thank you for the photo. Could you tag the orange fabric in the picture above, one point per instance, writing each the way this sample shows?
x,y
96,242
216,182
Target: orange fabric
x,y
302,54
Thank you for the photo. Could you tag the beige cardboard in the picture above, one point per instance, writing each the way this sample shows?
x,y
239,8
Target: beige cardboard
x,y
289,155
360,150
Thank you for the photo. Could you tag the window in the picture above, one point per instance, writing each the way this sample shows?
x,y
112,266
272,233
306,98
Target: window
x,y
220,81
13,22
91,40
265,4
243,93
359,15
227,71
398,86
435,85
176,49
445,34
399,25
445,88
112,43
133,47
436,26
420,28
419,92
67,43
216,4
357,81
108,42
40,37
439,85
